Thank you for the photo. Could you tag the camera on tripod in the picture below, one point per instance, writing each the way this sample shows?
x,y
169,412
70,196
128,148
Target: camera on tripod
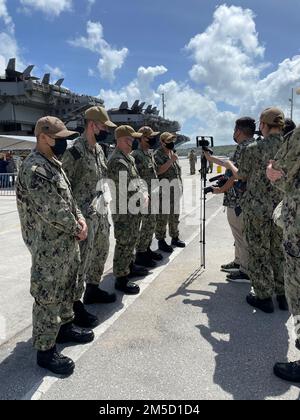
x,y
220,182
206,142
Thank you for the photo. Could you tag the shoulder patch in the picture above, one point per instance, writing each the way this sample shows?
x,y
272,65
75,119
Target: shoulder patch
x,y
42,172
75,153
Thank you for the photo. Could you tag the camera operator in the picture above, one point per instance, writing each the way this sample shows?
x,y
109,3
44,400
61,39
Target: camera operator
x,y
233,190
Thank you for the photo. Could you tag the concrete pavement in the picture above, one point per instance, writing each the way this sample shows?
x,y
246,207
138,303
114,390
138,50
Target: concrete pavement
x,y
189,335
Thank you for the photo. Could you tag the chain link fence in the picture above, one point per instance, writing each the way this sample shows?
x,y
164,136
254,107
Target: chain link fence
x,y
7,184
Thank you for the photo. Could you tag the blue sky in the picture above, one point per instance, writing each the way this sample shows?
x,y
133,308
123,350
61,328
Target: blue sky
x,y
215,61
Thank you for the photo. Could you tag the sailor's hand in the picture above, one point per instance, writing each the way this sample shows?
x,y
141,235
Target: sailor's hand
x,y
272,174
84,231
217,190
174,157
208,156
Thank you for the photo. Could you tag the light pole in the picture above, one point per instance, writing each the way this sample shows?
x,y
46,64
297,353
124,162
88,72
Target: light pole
x,y
163,105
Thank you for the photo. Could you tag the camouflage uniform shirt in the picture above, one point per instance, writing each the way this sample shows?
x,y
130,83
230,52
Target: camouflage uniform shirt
x,y
261,197
288,160
146,165
174,172
232,197
46,206
119,163
86,167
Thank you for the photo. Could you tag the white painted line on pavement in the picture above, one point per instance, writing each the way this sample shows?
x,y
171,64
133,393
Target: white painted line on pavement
x,y
77,352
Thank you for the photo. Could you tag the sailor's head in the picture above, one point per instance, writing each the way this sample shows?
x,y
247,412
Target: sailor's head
x,y
271,120
167,140
148,139
98,123
125,137
52,135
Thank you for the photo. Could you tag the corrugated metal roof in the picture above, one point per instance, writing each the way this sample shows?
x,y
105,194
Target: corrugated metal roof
x,y
10,143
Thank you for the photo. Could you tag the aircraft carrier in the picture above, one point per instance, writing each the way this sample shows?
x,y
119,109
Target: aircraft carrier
x,y
25,98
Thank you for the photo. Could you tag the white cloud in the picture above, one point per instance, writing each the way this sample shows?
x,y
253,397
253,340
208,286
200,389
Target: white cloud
x,y
55,71
8,44
5,16
227,70
110,59
49,7
139,88
227,54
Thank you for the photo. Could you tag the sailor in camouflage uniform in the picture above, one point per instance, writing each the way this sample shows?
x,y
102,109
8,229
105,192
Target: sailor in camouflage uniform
x,y
128,197
146,167
169,172
233,191
86,167
51,226
264,238
285,172
193,162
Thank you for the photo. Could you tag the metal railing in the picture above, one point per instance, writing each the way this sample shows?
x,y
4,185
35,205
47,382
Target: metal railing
x,y
7,184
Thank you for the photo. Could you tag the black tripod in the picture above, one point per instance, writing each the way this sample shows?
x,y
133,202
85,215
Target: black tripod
x,y
204,142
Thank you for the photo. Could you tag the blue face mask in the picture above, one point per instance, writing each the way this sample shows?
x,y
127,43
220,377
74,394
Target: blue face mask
x,y
60,147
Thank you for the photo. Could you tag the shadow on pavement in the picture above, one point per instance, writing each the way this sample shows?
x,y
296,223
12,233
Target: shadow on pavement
x,y
246,343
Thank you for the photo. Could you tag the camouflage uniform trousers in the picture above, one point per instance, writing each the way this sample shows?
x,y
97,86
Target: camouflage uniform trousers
x,y
266,257
94,252
54,276
171,219
148,225
292,288
126,230
193,168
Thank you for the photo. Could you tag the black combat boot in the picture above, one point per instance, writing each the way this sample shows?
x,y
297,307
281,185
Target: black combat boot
x,y
94,295
288,371
144,259
127,287
282,303
163,246
156,256
136,271
69,333
178,243
83,318
265,305
55,362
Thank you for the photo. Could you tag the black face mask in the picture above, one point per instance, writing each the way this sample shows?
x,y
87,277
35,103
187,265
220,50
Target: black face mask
x,y
60,147
152,142
102,136
170,146
135,144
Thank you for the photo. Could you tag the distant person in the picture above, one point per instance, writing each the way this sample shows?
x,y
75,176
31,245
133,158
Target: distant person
x,y
3,171
193,161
